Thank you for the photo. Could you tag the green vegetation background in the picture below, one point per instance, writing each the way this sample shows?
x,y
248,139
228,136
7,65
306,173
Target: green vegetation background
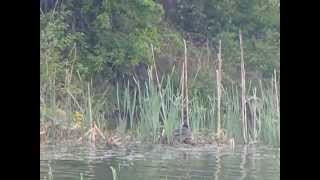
x,y
107,43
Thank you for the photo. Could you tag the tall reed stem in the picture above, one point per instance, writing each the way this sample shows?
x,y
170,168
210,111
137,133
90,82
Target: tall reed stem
x,y
255,134
182,92
243,93
218,72
277,101
90,115
276,93
186,82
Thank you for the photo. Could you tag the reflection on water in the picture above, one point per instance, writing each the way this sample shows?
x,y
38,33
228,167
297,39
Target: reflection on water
x,y
243,169
160,162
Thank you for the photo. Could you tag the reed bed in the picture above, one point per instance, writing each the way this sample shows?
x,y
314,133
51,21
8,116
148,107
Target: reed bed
x,y
143,108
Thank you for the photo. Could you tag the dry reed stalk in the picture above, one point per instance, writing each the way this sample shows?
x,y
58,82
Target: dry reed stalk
x,y
218,105
208,52
255,134
277,100
259,109
243,92
276,93
182,92
155,69
157,77
89,106
218,73
220,62
186,82
182,97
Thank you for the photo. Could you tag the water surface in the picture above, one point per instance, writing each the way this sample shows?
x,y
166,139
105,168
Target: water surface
x,y
146,162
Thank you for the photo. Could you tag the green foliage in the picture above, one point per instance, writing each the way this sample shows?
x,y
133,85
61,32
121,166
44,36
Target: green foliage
x,y
216,20
81,40
112,37
122,37
57,44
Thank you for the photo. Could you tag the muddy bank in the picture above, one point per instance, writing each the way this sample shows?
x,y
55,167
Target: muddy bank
x,y
113,138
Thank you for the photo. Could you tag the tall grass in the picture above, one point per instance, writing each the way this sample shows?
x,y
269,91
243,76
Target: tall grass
x,y
270,120
202,112
139,107
150,103
232,115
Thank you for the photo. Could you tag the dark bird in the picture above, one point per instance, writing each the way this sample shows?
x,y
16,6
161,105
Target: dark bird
x,y
183,135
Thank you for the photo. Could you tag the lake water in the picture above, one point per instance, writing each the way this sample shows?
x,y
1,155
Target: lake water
x,y
155,162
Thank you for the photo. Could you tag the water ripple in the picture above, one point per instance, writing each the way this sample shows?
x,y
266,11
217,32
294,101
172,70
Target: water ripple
x,y
160,162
